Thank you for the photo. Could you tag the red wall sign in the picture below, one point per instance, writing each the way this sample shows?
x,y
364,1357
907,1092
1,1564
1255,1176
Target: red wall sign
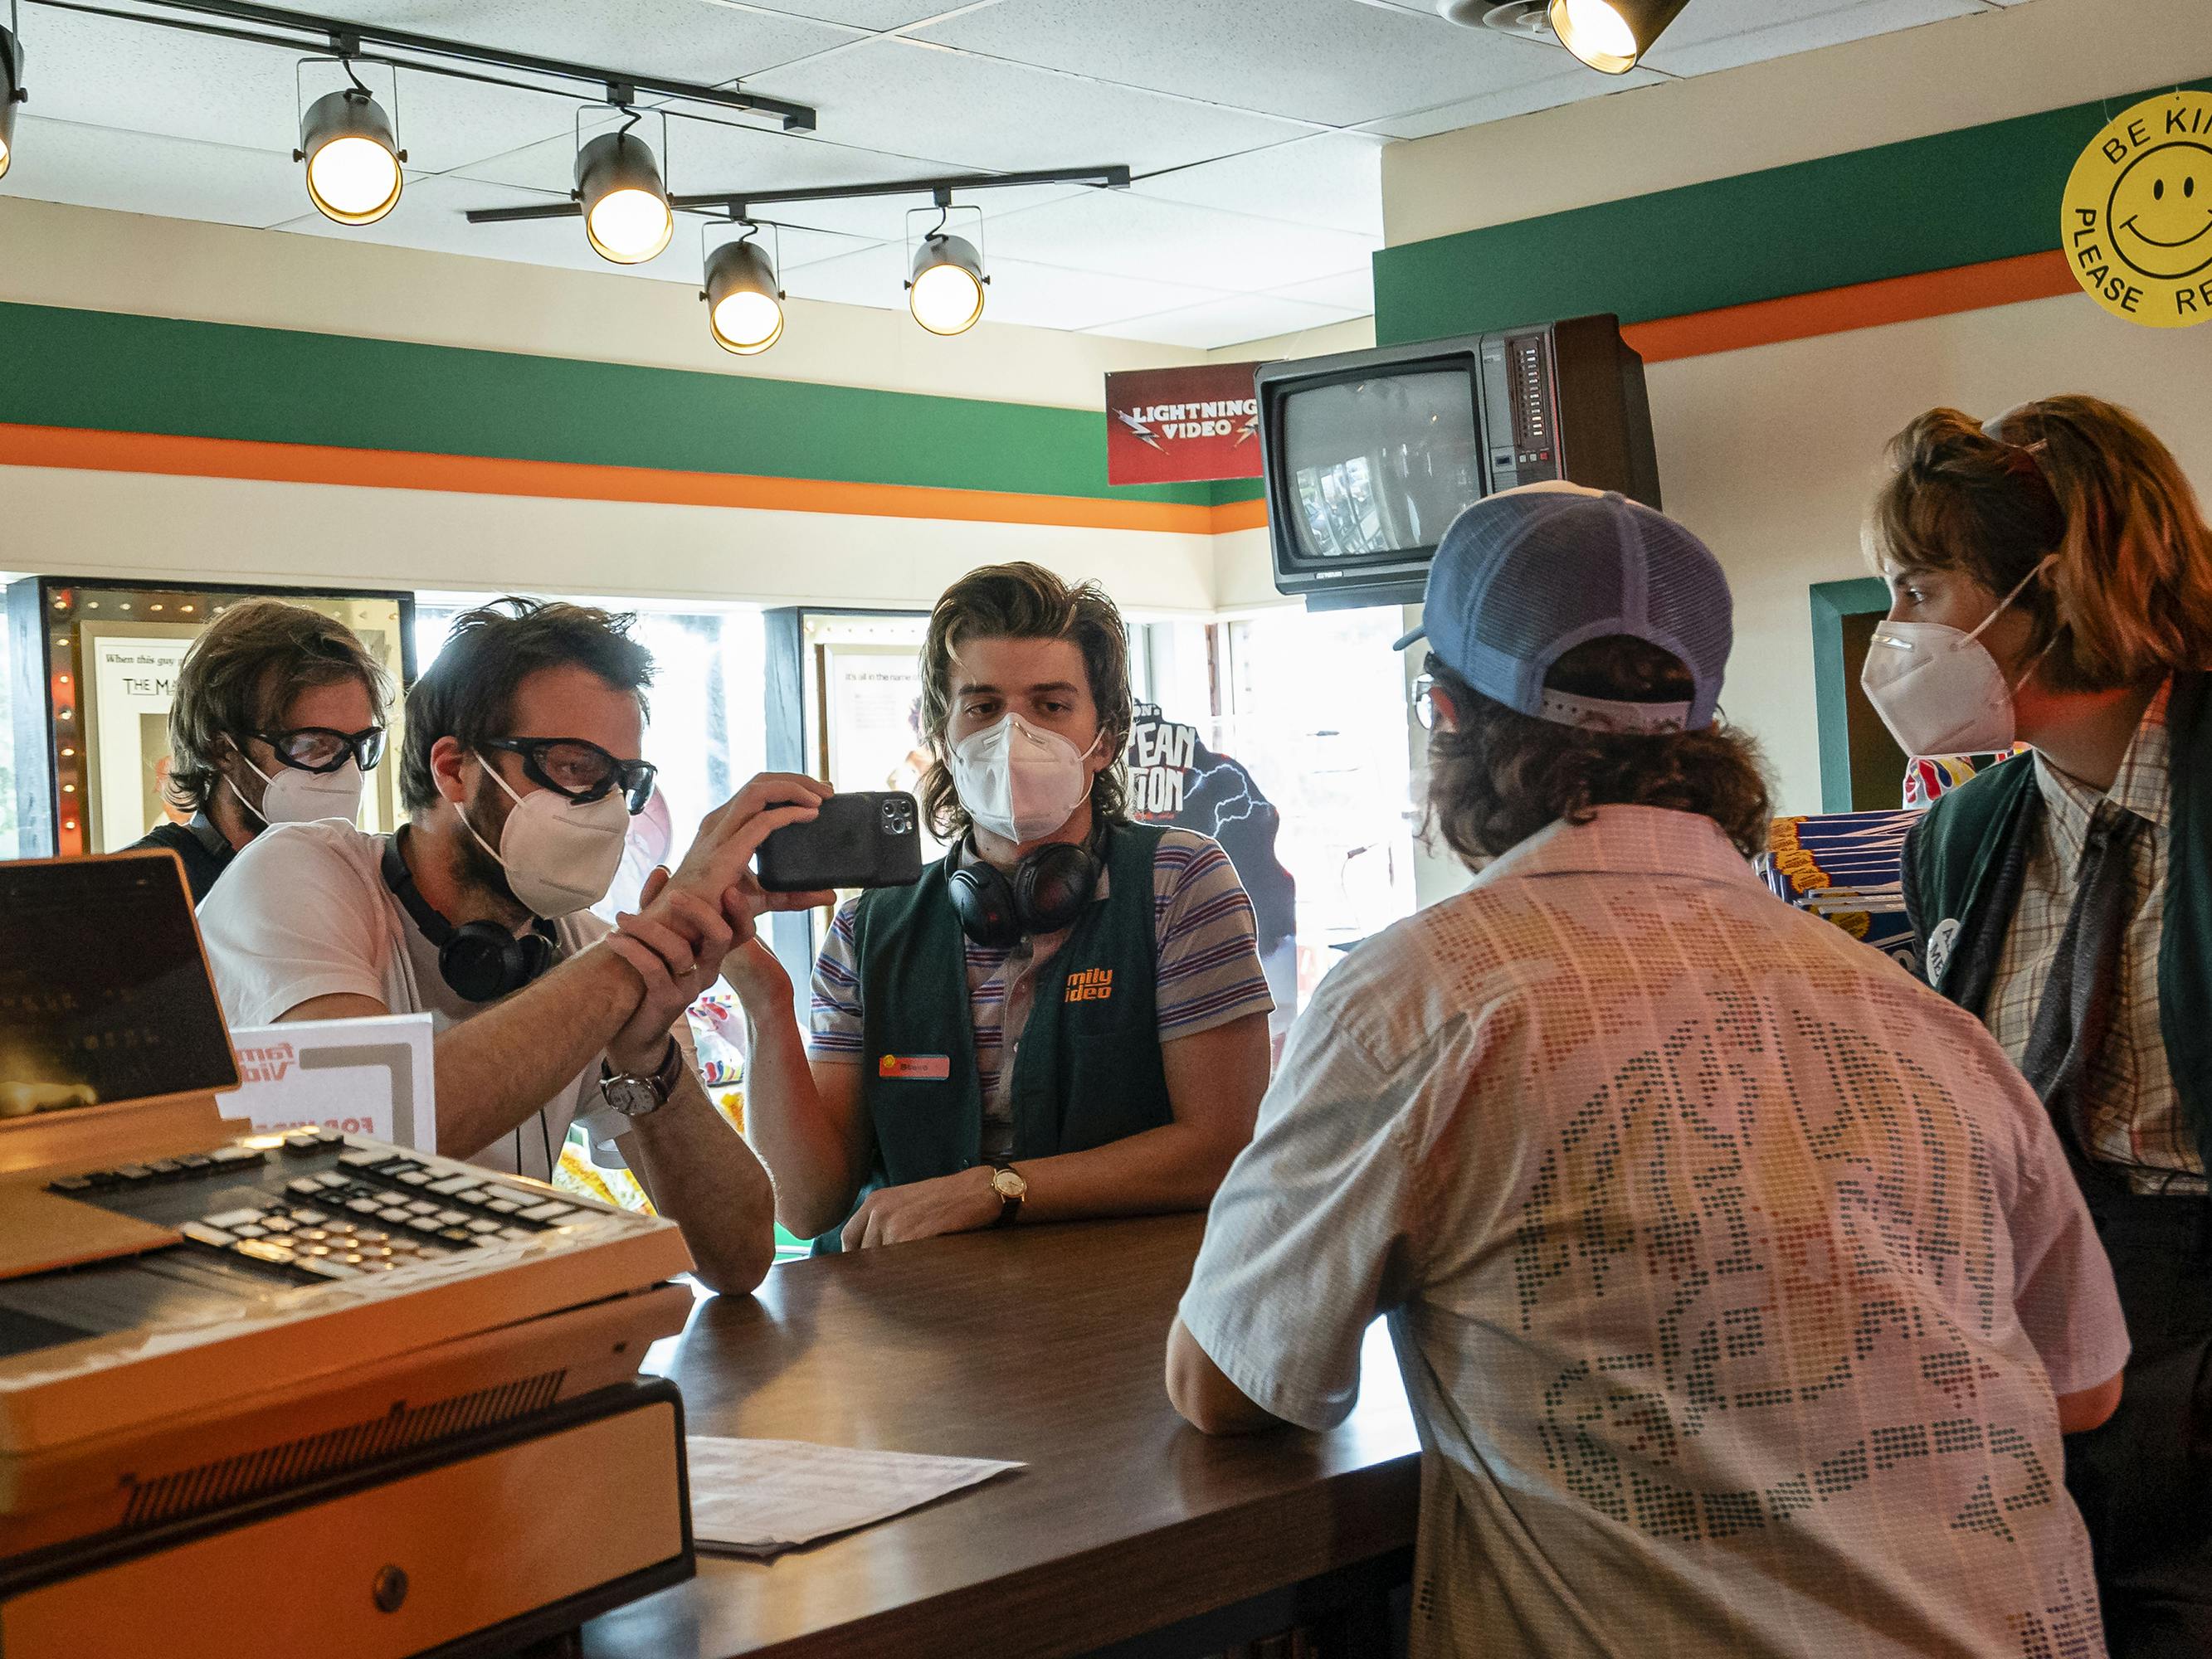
x,y
1182,425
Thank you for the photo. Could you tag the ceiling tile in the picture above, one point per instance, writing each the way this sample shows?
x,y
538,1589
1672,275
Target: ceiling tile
x,y
144,172
1042,296
1133,235
1561,80
860,14
430,215
1317,60
1227,322
1352,290
1333,180
1722,34
684,39
896,95
697,158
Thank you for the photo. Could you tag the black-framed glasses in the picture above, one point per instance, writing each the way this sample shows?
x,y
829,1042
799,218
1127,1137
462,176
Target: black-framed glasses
x,y
322,748
579,769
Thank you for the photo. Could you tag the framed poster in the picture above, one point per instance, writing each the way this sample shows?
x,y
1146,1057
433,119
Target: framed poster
x,y
95,663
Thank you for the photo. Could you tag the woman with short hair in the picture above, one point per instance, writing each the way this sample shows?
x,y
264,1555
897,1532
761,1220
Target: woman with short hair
x,y
2051,581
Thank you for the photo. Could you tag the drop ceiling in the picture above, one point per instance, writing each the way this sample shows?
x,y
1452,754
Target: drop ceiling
x,y
1254,130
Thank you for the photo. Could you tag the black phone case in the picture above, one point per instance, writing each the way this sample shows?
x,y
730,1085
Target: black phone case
x,y
867,839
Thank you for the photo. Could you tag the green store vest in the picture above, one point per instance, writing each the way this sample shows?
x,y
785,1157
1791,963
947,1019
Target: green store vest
x,y
1956,862
1087,1069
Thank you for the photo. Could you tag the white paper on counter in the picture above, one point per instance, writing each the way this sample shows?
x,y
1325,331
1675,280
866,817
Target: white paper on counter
x,y
763,1496
360,1077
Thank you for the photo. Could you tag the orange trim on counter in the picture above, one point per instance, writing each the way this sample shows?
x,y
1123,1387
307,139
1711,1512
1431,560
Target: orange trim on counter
x,y
1861,305
379,468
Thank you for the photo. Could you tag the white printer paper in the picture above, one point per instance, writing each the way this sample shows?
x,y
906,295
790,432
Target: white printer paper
x,y
763,1497
360,1077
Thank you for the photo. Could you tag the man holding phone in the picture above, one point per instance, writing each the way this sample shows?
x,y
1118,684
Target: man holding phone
x,y
519,775
1065,1016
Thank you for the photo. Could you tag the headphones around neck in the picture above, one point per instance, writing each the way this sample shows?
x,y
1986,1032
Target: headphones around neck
x,y
1046,892
481,961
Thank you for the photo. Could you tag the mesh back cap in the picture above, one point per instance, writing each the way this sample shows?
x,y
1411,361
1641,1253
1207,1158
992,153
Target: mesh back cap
x,y
1522,577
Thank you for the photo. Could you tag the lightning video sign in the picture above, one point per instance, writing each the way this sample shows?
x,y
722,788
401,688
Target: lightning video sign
x,y
1182,425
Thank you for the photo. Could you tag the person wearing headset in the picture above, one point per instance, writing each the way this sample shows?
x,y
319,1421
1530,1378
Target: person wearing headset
x,y
519,774
1064,1017
277,718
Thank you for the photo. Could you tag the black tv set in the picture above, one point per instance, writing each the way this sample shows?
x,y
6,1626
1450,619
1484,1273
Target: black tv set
x,y
1369,454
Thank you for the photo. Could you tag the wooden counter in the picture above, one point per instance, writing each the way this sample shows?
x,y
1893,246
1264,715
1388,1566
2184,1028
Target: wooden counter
x,y
1044,1346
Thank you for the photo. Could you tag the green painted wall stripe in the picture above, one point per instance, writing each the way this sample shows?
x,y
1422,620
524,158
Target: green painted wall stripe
x,y
1956,198
117,373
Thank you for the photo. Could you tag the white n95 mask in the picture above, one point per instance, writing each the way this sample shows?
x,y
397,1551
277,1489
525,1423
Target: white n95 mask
x,y
1936,687
560,855
1019,781
297,797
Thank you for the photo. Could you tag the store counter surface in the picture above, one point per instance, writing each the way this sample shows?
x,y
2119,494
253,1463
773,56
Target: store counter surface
x,y
1044,1346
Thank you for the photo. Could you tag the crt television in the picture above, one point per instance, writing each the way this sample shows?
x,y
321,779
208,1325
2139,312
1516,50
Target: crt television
x,y
1369,454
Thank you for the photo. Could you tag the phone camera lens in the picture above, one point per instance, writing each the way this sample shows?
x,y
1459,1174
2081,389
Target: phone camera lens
x,y
898,817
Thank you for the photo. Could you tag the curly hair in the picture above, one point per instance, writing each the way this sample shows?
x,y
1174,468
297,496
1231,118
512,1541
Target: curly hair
x,y
1025,602
1496,776
239,675
468,692
2129,598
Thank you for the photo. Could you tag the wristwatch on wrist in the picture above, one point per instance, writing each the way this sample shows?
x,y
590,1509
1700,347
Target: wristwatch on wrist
x,y
634,1095
1013,1192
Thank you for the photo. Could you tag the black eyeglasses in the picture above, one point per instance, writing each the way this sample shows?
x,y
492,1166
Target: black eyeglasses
x,y
580,770
320,748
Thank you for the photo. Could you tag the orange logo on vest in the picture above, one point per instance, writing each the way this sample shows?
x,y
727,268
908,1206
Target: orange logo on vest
x,y
1091,984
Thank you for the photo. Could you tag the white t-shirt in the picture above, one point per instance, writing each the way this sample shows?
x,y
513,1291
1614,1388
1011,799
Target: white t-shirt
x,y
1730,1271
303,912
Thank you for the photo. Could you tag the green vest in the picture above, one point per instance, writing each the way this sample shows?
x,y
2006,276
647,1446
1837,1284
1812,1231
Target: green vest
x,y
1956,853
1088,1068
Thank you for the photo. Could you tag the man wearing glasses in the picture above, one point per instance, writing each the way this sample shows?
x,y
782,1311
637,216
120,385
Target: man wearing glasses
x,y
519,774
279,714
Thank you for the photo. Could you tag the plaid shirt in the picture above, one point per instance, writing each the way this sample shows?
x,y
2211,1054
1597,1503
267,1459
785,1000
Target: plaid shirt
x,y
2137,1121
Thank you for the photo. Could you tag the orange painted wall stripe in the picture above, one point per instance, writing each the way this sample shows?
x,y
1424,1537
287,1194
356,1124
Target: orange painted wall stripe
x,y
1861,305
378,469
1767,322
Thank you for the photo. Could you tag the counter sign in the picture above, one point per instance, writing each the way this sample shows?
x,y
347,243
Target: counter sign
x,y
2138,213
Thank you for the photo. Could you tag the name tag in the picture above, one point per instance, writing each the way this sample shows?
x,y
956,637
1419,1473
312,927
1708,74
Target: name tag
x,y
916,1068
1091,984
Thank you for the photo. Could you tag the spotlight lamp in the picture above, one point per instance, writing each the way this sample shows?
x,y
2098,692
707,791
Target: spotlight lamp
x,y
626,216
745,306
11,94
352,158
946,292
1612,35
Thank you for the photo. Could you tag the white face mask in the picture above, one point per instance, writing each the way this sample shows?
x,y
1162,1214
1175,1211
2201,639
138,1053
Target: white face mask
x,y
1019,781
560,855
1938,690
297,797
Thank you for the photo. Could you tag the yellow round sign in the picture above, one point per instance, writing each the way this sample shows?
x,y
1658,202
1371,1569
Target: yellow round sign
x,y
2138,210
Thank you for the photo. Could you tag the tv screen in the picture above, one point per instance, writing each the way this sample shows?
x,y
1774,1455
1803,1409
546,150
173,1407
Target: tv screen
x,y
1379,465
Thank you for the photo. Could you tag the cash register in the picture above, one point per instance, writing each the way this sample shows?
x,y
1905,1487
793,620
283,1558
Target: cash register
x,y
299,1393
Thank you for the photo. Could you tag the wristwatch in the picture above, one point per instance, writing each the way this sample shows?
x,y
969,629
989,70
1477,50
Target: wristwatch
x,y
1013,1192
636,1095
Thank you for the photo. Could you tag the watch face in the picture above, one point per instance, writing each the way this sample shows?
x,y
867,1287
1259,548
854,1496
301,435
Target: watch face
x,y
632,1096
1007,1184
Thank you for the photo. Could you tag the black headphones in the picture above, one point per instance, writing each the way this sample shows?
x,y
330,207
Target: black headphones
x,y
1046,892
482,961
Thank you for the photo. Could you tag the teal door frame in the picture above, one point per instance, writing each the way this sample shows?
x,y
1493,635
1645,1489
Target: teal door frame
x,y
1832,603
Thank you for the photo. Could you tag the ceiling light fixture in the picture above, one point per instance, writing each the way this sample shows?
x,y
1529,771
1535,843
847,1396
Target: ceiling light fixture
x,y
1612,35
354,176
745,306
626,216
11,89
945,291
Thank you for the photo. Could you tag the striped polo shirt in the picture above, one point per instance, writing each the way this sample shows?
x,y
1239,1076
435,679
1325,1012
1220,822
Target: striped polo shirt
x,y
1209,973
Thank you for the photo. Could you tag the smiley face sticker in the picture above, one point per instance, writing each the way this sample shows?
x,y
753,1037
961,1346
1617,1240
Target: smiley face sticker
x,y
2138,213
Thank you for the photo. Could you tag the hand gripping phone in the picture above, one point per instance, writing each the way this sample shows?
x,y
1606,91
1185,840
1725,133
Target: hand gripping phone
x,y
870,838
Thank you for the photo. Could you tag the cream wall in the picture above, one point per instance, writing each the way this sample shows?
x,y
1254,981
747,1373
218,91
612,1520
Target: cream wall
x,y
1771,453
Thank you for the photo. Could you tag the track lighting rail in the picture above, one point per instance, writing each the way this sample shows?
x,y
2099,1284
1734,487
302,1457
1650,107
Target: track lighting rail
x,y
737,204
325,33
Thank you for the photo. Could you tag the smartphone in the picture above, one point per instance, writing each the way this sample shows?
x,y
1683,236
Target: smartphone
x,y
870,838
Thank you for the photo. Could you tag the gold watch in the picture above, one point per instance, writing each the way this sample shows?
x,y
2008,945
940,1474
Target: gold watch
x,y
1013,1192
